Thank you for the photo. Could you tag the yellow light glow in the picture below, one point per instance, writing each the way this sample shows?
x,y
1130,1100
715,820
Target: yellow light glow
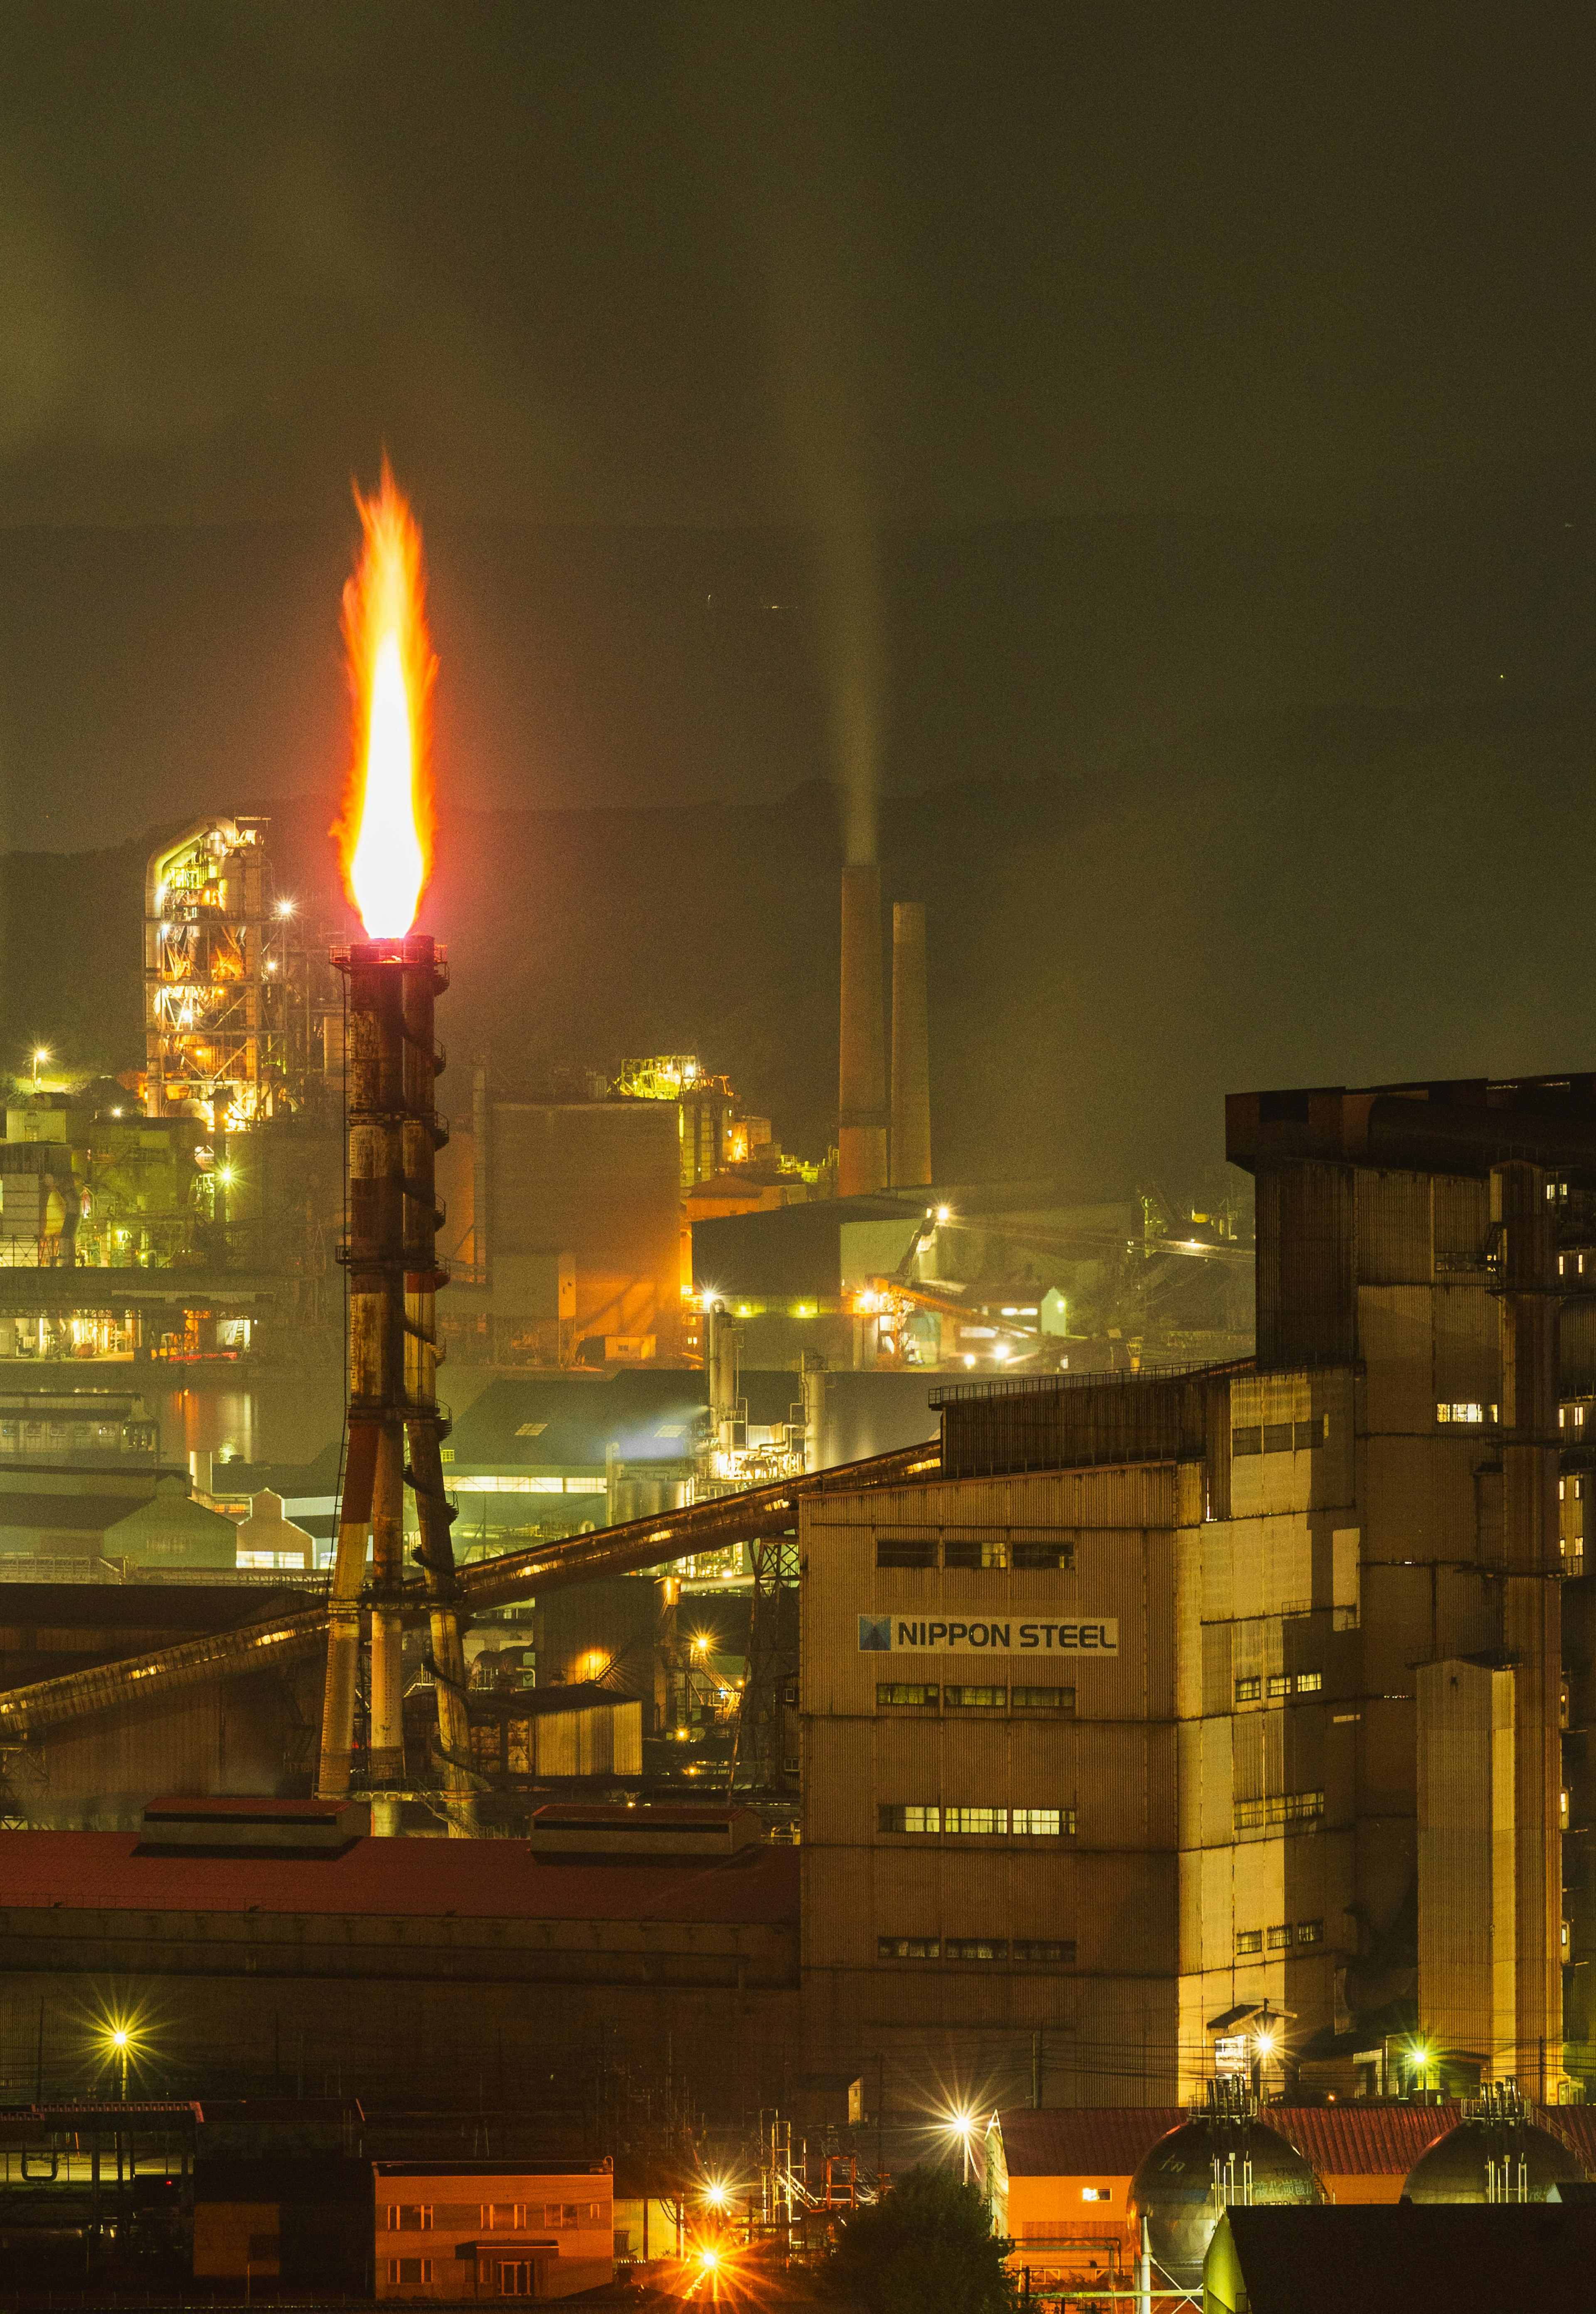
x,y
386,831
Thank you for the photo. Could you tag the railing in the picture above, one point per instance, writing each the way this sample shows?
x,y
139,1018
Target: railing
x,y
1047,1385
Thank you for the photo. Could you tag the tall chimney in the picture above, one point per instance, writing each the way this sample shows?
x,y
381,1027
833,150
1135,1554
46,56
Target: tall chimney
x,y
862,1124
910,1055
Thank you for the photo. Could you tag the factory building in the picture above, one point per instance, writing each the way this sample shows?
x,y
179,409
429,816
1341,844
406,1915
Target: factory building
x,y
564,1232
254,1941
1178,1697
97,1770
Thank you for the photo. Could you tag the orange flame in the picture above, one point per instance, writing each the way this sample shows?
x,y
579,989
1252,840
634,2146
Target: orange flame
x,y
385,831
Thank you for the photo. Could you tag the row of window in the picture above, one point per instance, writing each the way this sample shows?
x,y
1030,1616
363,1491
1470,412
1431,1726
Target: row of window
x,y
1255,1687
490,2217
1046,1822
1057,1950
1281,1438
1279,1939
1280,1807
1571,1417
984,1553
1464,1410
518,2277
1057,1699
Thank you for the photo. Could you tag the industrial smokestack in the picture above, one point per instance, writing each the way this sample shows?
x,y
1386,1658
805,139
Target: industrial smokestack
x,y
862,1087
911,1053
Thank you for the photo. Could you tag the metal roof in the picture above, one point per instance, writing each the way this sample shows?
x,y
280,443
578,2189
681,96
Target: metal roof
x,y
474,1879
564,1422
1085,2141
1362,2139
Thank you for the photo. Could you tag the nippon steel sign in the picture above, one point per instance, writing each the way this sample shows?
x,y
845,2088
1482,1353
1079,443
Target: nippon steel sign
x,y
907,1635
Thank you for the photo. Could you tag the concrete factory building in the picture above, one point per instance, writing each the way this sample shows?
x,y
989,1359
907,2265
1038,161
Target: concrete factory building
x,y
1181,1702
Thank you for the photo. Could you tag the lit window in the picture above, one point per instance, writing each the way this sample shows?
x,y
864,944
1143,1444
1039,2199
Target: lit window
x,y
976,1699
1097,2192
1046,1948
1311,1932
1563,1808
1249,1690
1047,1822
1249,1940
900,1691
907,1949
1042,1699
976,1819
1280,1684
1280,1937
1462,1411
909,1818
976,1948
1308,1682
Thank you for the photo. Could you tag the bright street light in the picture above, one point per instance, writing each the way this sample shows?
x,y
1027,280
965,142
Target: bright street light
x,y
961,2123
40,1053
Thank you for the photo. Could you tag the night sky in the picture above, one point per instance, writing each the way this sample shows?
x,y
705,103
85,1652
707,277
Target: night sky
x,y
1186,413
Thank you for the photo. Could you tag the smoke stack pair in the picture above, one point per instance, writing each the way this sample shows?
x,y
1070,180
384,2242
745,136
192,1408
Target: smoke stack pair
x,y
878,1145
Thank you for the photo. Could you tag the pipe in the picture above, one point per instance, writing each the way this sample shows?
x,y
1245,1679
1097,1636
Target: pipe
x,y
862,1114
812,1371
911,1050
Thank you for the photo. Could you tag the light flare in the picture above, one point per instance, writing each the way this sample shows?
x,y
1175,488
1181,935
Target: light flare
x,y
385,831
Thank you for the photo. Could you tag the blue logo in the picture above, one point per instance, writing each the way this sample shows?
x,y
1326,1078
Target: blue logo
x,y
874,1635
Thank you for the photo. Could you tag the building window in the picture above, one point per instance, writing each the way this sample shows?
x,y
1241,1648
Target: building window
x,y
518,2277
1249,1940
410,2269
976,1699
1279,1808
1308,1435
561,2214
1463,1410
410,2218
1035,1557
1249,1441
909,1819
1097,2192
975,1551
1056,1950
986,1820
976,1948
504,2217
1249,1689
901,1691
1280,1683
1278,1437
1042,1699
905,1550
907,1949
1280,1937
1311,1932
1049,1823
1309,1682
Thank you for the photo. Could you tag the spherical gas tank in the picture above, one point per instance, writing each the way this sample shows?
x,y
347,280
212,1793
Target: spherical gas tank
x,y
1496,2153
1222,2155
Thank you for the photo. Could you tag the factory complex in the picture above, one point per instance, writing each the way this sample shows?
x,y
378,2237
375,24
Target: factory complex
x,y
779,1667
